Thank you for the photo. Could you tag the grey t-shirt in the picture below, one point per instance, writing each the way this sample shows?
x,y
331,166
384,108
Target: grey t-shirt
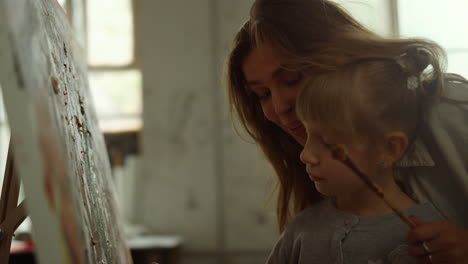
x,y
323,234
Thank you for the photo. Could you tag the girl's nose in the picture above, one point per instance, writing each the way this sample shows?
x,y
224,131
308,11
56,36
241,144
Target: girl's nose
x,y
308,157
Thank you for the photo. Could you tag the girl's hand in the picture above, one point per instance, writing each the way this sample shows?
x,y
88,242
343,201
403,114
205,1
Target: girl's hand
x,y
444,242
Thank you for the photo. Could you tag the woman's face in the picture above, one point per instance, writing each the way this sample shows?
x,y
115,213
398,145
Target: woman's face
x,y
276,89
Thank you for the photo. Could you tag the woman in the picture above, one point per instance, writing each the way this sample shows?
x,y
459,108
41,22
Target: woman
x,y
287,41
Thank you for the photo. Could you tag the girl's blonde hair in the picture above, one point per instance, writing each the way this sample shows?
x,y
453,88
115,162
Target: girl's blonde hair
x,y
312,36
369,97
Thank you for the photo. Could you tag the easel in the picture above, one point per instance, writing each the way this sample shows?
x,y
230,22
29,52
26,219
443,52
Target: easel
x,y
11,214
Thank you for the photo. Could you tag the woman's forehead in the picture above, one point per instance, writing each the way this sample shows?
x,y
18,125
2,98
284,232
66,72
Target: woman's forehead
x,y
260,63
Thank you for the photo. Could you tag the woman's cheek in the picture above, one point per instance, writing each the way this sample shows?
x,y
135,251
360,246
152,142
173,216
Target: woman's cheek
x,y
268,111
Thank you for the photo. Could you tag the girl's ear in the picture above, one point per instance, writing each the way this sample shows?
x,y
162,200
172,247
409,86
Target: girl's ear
x,y
395,146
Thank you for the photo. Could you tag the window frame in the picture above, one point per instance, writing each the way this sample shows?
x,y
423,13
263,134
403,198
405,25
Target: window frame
x,y
82,15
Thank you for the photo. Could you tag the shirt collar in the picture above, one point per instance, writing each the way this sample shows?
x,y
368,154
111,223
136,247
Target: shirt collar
x,y
417,156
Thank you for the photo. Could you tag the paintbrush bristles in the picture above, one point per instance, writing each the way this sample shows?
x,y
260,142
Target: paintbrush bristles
x,y
339,152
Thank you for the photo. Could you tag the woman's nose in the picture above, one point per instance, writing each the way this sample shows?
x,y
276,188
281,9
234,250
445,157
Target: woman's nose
x,y
283,102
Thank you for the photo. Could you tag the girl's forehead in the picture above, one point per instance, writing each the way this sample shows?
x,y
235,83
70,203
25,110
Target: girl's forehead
x,y
321,129
316,127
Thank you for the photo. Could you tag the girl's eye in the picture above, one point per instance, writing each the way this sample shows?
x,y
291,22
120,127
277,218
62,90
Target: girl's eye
x,y
325,143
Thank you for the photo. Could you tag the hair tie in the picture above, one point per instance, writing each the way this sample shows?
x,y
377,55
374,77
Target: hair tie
x,y
412,83
407,63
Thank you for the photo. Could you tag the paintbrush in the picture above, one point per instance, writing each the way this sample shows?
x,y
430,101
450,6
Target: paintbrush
x,y
339,153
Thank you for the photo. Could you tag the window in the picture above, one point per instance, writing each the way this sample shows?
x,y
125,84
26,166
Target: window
x,y
441,21
114,76
374,14
63,4
106,29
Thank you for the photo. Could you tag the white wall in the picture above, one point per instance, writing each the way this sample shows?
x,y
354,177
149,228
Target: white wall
x,y
375,14
179,138
200,179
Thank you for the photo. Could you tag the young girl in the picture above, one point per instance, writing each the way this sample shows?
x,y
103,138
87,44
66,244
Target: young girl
x,y
374,107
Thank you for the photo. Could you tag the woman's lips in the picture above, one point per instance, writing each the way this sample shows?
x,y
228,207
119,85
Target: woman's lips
x,y
315,178
297,131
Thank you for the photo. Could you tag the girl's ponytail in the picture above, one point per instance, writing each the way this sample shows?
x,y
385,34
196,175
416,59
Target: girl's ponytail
x,y
423,69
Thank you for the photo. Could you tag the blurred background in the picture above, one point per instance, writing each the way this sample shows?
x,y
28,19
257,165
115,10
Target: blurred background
x,y
190,190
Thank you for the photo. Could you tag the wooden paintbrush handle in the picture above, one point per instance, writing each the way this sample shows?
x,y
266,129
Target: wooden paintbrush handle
x,y
339,153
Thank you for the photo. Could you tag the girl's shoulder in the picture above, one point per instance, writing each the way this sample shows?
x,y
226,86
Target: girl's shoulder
x,y
315,218
318,213
424,211
323,206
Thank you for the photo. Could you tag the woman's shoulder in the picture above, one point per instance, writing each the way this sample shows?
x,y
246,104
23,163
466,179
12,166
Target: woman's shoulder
x,y
448,120
456,87
450,116
447,117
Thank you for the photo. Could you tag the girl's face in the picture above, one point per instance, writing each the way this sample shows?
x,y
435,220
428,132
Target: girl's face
x,y
331,177
276,89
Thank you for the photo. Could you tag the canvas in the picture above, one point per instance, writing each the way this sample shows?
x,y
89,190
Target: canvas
x,y
58,149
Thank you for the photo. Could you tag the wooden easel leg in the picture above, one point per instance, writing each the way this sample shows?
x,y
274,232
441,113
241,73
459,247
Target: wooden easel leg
x,y
10,187
11,215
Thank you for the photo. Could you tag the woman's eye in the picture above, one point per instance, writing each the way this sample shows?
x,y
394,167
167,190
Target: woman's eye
x,y
294,81
264,95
